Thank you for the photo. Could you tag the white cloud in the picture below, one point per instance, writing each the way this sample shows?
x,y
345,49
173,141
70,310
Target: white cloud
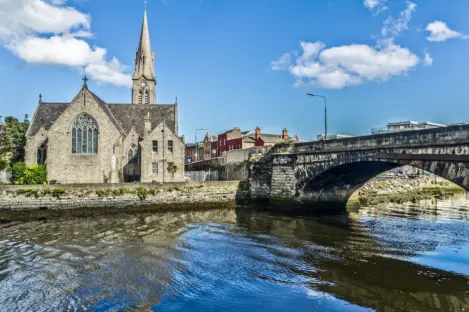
x,y
348,65
439,31
393,27
375,6
427,60
41,32
282,63
354,64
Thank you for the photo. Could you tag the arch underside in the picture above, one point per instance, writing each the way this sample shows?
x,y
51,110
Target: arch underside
x,y
337,182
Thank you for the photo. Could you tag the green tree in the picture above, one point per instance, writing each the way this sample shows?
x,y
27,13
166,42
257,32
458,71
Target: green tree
x,y
172,168
16,131
5,146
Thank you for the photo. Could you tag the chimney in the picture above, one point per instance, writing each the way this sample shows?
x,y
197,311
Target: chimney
x,y
258,132
284,134
147,122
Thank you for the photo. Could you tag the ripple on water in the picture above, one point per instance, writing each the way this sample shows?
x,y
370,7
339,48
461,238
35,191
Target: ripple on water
x,y
383,258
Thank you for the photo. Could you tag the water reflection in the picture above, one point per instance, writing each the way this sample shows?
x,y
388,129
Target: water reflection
x,y
394,258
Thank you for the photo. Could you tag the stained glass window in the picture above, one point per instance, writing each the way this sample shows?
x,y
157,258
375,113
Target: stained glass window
x,y
84,135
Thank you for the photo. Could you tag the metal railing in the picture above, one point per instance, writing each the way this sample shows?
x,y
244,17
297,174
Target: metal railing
x,y
201,176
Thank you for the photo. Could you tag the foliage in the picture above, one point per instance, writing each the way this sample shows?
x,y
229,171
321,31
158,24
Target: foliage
x,y
21,174
28,192
16,131
58,192
52,182
142,193
17,171
172,168
5,147
12,140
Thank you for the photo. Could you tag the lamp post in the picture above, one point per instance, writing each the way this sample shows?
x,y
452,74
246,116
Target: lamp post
x,y
195,142
325,112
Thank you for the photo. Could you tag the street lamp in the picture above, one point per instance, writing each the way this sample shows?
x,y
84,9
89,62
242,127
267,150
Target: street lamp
x,y
325,112
195,142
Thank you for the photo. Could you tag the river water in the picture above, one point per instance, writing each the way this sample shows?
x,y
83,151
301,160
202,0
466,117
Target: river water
x,y
386,258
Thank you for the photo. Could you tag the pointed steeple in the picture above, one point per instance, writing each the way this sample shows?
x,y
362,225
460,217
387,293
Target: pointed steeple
x,y
144,58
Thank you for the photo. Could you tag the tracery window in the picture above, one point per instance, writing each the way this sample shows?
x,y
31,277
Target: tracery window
x,y
147,98
84,135
132,154
140,97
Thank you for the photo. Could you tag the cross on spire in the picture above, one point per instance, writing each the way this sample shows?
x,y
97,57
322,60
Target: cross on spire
x,y
145,4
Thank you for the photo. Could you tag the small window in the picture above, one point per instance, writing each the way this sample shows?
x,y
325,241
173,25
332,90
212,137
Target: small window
x,y
170,146
147,98
140,97
154,168
155,146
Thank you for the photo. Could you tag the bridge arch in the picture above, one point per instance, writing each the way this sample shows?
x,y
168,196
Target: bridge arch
x,y
336,180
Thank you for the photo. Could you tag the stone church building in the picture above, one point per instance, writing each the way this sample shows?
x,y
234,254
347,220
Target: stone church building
x,y
91,141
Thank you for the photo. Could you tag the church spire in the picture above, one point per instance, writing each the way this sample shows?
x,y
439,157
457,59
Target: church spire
x,y
144,58
144,83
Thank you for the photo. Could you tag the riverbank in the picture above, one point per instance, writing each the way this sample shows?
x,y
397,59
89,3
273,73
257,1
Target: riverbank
x,y
25,202
402,189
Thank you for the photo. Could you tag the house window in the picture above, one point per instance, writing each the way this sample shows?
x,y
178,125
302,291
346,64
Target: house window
x,y
155,146
84,135
154,168
132,154
170,146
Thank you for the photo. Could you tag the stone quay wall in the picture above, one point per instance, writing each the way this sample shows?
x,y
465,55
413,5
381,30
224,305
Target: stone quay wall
x,y
17,198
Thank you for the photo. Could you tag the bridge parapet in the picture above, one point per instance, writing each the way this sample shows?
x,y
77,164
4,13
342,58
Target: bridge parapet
x,y
455,135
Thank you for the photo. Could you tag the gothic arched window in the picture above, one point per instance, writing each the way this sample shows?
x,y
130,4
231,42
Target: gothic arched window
x,y
84,135
147,98
140,97
132,154
42,154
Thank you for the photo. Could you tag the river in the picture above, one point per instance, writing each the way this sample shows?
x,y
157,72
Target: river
x,y
384,258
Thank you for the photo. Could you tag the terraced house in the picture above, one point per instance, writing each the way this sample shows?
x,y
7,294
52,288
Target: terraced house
x,y
91,141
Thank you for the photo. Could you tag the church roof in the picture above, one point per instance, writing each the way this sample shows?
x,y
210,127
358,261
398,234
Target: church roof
x,y
46,114
129,115
124,116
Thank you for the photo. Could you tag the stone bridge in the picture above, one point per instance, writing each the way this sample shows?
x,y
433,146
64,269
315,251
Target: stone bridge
x,y
330,171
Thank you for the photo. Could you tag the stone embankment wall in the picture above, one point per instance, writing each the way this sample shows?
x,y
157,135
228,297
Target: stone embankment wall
x,y
68,197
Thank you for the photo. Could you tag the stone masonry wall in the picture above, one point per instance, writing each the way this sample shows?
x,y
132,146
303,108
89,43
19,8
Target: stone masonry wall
x,y
65,197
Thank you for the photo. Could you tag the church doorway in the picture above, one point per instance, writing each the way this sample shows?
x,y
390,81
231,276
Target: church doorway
x,y
132,168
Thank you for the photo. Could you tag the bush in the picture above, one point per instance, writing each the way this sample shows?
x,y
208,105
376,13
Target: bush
x,y
58,192
142,193
17,171
28,175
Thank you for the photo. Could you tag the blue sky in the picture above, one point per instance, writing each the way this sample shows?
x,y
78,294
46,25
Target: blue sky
x,y
247,63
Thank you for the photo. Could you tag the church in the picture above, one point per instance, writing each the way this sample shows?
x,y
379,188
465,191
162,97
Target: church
x,y
91,141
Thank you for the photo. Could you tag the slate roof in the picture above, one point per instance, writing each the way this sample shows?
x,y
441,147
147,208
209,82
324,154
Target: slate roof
x,y
271,138
124,116
129,115
46,114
